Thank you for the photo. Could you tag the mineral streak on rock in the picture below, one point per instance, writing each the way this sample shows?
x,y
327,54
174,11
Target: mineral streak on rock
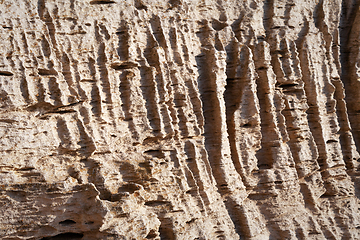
x,y
179,119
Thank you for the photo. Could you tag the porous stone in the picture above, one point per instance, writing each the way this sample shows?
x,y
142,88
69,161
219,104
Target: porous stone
x,y
179,119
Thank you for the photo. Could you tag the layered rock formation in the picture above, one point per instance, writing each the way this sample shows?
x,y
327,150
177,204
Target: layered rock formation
x,y
179,119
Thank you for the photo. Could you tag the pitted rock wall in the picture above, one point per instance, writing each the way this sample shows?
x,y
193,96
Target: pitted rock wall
x,y
204,119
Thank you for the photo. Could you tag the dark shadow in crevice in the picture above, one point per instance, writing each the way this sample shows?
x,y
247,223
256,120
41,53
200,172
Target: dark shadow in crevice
x,y
102,2
67,236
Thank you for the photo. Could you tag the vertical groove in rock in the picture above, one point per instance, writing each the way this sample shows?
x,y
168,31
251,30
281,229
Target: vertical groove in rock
x,y
155,87
242,110
329,156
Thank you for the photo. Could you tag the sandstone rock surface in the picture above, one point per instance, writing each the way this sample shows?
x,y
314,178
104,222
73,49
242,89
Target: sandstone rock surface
x,y
179,119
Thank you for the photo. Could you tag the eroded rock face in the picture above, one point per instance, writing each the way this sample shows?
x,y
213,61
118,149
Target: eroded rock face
x,y
138,119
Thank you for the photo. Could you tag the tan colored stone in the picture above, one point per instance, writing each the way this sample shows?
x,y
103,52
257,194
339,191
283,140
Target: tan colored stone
x,y
138,119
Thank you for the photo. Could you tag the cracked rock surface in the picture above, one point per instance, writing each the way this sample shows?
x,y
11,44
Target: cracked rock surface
x,y
179,119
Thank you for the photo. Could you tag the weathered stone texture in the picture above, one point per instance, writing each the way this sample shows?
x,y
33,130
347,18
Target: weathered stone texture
x,y
179,119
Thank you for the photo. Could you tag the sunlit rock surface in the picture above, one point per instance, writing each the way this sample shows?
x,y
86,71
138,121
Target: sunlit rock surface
x,y
179,119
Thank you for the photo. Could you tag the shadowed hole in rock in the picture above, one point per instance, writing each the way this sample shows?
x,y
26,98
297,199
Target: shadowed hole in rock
x,y
140,5
26,169
8,121
124,65
152,234
262,68
130,188
67,236
191,221
246,125
67,222
326,195
156,203
6,73
218,25
175,3
155,153
101,2
288,85
265,166
46,72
